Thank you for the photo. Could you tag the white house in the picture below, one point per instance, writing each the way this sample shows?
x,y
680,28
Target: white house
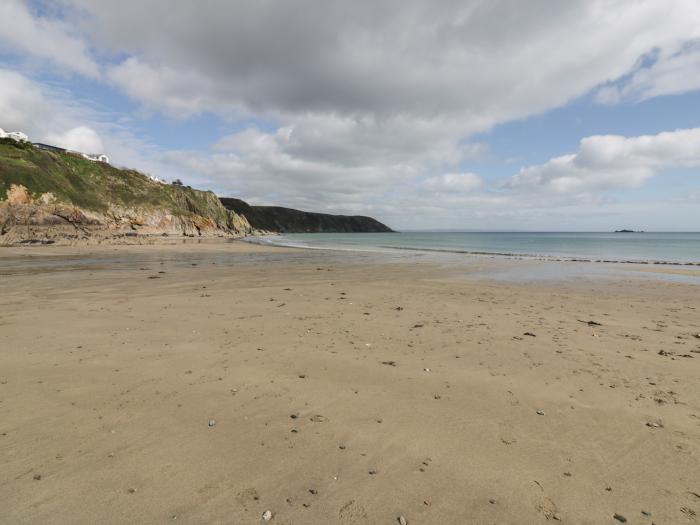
x,y
97,158
16,135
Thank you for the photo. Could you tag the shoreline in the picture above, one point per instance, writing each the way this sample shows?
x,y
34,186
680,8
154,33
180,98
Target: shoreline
x,y
507,255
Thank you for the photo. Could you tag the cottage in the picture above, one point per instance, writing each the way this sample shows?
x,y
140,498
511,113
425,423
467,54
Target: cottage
x,y
97,158
14,135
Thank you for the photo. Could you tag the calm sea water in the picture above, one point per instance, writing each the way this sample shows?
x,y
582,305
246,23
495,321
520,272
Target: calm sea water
x,y
647,247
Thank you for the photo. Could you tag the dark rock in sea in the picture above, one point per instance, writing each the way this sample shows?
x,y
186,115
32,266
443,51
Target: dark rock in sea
x,y
288,220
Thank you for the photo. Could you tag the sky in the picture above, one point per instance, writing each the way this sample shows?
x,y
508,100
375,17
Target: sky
x,y
542,115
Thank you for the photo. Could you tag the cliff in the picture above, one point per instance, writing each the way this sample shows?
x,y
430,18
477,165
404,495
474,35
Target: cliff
x,y
51,196
288,220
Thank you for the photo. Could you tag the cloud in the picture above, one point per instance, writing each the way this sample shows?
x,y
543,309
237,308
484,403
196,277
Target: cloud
x,y
478,62
453,182
21,101
81,138
671,75
48,39
606,162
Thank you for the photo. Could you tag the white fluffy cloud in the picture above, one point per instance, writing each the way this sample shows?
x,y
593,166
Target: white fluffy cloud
x,y
666,75
21,101
453,183
44,38
81,138
478,62
606,162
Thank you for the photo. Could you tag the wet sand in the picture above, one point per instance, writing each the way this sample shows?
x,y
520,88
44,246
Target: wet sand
x,y
209,383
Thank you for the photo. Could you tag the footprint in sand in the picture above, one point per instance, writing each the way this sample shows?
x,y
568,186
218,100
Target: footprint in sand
x,y
352,513
506,434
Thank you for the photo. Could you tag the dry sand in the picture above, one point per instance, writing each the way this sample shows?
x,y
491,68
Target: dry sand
x,y
339,388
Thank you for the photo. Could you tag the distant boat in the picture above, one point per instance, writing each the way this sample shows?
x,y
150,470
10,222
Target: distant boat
x,y
629,231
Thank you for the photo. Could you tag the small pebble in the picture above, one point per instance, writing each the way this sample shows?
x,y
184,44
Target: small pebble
x,y
212,422
620,518
540,413
267,515
402,520
313,491
646,513
37,477
492,501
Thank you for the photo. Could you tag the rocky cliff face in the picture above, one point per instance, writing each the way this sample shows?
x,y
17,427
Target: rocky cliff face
x,y
48,197
288,220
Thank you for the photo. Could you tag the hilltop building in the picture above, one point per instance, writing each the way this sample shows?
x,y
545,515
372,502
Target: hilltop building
x,y
15,135
96,158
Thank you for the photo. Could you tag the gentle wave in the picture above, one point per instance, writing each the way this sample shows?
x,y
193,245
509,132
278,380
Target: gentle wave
x,y
655,249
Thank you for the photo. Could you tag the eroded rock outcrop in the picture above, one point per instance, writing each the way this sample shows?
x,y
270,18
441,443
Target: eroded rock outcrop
x,y
26,220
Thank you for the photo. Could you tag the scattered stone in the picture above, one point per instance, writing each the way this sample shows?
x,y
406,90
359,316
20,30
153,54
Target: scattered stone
x,y
294,416
212,422
541,413
401,520
341,447
492,501
655,424
529,334
590,323
318,418
620,518
426,370
372,472
399,308
131,490
267,515
389,363
646,513
302,376
37,477
418,325
313,491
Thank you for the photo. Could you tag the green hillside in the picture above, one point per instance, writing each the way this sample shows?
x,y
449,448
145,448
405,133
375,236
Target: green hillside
x,y
97,186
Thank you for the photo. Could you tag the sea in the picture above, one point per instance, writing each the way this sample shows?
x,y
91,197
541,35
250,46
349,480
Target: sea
x,y
637,247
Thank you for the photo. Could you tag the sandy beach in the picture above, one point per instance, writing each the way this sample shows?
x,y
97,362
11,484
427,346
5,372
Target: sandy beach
x,y
212,382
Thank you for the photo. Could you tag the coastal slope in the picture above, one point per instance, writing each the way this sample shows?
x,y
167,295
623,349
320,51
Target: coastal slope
x,y
288,220
48,197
